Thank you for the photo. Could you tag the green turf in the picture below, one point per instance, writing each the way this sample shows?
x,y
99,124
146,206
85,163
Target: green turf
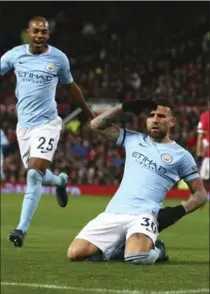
x,y
42,260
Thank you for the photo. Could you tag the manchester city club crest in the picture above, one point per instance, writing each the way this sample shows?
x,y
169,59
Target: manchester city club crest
x,y
166,158
50,67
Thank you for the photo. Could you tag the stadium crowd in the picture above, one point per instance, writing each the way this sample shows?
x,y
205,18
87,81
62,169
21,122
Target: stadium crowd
x,y
110,59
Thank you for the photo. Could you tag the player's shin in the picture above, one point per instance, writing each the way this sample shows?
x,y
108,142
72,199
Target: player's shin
x,y
99,256
147,258
118,253
60,183
50,179
31,198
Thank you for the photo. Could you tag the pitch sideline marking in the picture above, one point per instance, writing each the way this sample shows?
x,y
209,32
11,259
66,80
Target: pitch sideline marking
x,y
103,290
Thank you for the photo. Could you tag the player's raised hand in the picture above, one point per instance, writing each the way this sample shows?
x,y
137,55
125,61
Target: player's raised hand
x,y
138,106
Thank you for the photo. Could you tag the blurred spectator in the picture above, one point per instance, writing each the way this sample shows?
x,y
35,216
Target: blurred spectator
x,y
111,59
91,159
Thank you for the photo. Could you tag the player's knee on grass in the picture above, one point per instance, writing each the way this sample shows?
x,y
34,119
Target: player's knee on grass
x,y
138,242
80,250
146,258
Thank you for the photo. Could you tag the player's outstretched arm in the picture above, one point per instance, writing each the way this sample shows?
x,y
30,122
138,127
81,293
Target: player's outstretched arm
x,y
198,197
78,98
103,123
168,216
74,90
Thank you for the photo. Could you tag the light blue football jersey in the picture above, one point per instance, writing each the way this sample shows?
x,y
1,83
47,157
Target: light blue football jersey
x,y
151,170
3,142
36,79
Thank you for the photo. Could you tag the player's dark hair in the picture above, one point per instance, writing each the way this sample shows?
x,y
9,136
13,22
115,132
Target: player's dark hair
x,y
161,101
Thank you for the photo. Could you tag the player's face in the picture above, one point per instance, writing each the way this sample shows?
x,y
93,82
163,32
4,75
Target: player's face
x,y
38,35
159,122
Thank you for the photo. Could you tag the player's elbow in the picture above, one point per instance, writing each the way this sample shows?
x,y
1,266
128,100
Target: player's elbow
x,y
94,124
203,197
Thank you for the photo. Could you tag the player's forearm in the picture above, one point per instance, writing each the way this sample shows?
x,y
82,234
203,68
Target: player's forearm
x,y
168,216
199,147
78,98
197,200
105,119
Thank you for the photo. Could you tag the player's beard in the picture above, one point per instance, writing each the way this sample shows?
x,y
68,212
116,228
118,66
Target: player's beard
x,y
157,135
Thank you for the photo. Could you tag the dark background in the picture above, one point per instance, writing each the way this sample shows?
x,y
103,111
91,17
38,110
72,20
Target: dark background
x,y
135,50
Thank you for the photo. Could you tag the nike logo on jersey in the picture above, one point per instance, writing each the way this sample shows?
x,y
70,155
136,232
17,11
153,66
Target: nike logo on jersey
x,y
21,62
142,145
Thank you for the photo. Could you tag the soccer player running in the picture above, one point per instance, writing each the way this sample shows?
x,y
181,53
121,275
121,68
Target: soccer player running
x,y
153,164
38,68
203,149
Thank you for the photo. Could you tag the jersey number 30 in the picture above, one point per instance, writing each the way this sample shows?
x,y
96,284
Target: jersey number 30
x,y
149,224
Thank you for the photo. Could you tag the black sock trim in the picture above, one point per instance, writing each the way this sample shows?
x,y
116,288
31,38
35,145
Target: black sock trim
x,y
41,174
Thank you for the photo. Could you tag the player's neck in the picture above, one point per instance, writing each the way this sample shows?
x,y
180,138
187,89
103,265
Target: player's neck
x,y
165,140
37,51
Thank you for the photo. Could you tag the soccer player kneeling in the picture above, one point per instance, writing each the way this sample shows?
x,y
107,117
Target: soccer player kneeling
x,y
153,164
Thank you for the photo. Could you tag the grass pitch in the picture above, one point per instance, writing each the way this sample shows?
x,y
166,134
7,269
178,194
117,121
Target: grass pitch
x,y
40,267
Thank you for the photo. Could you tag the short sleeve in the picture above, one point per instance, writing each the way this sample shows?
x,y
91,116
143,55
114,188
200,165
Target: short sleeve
x,y
125,136
6,62
188,169
65,76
